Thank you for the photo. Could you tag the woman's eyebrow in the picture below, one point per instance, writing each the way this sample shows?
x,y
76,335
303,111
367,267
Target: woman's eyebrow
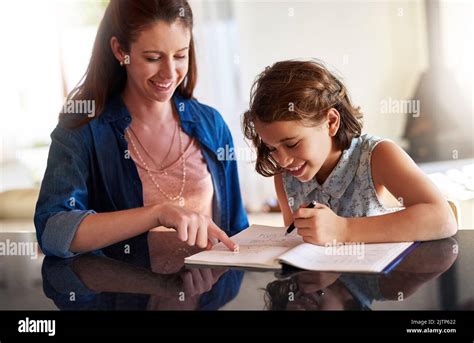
x,y
161,52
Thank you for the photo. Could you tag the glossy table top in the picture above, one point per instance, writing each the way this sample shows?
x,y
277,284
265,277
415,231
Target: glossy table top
x,y
147,273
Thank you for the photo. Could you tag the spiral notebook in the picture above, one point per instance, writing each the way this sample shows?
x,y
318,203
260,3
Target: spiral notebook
x,y
267,247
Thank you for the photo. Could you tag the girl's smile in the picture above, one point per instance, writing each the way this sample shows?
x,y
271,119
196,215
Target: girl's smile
x,y
304,150
298,170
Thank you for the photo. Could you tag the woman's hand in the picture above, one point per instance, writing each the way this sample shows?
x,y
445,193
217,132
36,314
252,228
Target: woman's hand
x,y
320,225
190,282
193,228
197,281
185,289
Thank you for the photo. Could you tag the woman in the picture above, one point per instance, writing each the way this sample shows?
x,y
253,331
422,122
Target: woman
x,y
147,157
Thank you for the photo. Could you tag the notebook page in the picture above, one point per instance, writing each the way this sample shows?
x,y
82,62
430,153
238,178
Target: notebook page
x,y
346,258
260,247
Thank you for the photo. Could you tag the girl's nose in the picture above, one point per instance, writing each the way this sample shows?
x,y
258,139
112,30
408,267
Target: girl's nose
x,y
283,159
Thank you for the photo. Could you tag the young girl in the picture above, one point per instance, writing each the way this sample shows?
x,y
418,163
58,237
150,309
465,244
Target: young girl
x,y
308,136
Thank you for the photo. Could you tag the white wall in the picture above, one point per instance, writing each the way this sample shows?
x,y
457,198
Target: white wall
x,y
377,47
378,53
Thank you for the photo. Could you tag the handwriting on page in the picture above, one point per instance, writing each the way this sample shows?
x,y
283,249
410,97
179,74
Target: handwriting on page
x,y
276,238
260,237
258,246
265,246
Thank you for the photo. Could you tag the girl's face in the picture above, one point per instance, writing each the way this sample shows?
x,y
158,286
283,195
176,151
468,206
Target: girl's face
x,y
159,60
300,149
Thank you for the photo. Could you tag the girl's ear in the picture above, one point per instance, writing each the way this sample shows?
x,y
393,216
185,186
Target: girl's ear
x,y
334,121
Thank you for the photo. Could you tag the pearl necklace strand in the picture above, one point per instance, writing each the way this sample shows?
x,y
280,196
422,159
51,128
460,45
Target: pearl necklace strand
x,y
183,161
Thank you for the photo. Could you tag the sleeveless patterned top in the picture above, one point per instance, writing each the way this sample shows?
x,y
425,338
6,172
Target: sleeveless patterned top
x,y
349,190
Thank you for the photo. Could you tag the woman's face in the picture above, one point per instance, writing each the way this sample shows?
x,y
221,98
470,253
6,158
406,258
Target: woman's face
x,y
159,60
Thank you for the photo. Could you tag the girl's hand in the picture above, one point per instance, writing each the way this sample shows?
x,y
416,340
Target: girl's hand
x,y
193,228
320,225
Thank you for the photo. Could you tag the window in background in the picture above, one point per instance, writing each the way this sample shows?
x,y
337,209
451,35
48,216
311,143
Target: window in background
x,y
48,45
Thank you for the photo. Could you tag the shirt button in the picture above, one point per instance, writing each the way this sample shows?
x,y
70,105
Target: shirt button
x,y
127,119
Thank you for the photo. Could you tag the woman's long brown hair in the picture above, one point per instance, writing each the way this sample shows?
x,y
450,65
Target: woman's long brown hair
x,y
125,19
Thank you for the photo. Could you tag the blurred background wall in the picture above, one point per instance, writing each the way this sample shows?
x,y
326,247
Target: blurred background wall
x,y
383,51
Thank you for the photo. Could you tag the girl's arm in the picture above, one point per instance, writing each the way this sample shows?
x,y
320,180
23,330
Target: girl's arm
x,y
426,216
282,200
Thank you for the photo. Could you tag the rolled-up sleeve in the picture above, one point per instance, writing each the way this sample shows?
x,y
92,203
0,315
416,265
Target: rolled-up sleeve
x,y
60,230
238,220
63,198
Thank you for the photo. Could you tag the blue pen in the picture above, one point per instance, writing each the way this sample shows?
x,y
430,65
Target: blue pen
x,y
312,204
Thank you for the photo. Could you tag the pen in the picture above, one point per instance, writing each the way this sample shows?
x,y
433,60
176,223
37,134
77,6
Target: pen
x,y
292,226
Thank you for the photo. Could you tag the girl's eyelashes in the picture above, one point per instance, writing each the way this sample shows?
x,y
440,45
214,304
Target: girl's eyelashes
x,y
294,145
155,59
271,149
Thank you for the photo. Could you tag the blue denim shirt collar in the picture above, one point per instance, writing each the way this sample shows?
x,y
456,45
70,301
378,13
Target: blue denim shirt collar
x,y
116,111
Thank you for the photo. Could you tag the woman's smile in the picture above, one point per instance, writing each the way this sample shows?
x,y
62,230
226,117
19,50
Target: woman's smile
x,y
161,87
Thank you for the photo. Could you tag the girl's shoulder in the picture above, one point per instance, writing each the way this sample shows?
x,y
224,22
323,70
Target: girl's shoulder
x,y
368,142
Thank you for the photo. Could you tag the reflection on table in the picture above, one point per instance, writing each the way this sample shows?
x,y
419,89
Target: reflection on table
x,y
307,290
148,276
148,273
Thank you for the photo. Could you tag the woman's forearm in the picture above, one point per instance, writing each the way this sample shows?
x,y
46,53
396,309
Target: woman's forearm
x,y
103,229
102,274
418,222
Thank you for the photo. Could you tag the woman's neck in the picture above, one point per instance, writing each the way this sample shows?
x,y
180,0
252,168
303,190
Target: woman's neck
x,y
145,111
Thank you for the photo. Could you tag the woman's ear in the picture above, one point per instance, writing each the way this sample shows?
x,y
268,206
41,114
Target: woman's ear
x,y
334,121
118,52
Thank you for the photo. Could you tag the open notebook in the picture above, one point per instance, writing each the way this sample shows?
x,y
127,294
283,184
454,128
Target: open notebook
x,y
267,247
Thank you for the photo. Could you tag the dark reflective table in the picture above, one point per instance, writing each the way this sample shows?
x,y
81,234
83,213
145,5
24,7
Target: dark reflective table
x,y
147,273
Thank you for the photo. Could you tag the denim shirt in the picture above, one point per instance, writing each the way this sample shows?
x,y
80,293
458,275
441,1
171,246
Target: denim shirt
x,y
89,170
